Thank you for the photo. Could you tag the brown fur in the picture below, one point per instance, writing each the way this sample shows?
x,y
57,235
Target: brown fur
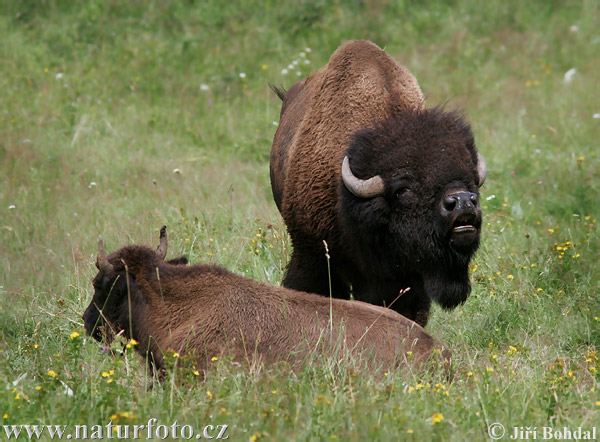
x,y
364,105
359,86
207,311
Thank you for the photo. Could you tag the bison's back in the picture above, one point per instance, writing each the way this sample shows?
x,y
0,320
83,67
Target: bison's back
x,y
359,87
246,319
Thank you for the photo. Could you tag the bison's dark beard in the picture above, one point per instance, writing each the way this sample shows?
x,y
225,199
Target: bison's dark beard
x,y
411,247
448,287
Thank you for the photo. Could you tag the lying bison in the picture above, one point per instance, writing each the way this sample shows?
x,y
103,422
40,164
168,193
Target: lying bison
x,y
392,187
206,311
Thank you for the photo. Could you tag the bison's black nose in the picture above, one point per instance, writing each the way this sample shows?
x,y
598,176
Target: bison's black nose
x,y
460,202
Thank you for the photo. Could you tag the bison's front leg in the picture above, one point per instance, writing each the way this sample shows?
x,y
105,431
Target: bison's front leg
x,y
309,272
413,303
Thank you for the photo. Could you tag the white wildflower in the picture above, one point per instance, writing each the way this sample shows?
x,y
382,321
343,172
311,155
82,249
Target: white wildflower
x,y
302,54
574,29
242,75
59,76
204,87
11,207
284,71
92,184
596,116
68,390
491,197
569,75
275,123
176,170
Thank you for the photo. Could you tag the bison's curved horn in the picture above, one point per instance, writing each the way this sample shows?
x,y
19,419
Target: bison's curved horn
x,y
481,170
101,262
162,247
362,188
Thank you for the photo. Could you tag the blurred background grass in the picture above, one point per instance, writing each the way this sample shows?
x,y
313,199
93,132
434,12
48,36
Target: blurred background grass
x,y
118,117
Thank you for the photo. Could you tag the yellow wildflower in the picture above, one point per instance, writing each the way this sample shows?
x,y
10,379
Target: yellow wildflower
x,y
436,418
52,373
74,335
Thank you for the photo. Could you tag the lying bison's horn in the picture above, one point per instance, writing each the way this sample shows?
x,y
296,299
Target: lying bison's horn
x,y
162,247
481,170
362,188
101,262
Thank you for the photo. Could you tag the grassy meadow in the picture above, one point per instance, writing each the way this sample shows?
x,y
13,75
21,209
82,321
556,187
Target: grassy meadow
x,y
119,117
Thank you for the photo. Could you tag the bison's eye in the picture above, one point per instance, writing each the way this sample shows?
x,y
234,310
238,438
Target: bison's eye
x,y
97,282
400,192
405,197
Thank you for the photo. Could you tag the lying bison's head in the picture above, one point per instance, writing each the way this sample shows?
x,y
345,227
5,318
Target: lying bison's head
x,y
117,299
410,200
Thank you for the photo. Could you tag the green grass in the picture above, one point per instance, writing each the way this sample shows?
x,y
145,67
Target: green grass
x,y
111,93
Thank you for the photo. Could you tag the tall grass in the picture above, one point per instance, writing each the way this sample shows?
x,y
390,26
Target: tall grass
x,y
119,117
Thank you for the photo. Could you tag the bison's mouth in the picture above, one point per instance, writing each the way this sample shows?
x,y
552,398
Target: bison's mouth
x,y
466,228
465,231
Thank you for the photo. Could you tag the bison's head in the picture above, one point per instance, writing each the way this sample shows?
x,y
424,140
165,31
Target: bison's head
x,y
409,194
117,299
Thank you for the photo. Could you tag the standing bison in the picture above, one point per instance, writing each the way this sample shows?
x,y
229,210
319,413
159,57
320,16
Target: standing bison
x,y
392,187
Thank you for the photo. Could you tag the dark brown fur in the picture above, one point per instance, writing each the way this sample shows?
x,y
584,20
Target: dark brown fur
x,y
365,105
207,311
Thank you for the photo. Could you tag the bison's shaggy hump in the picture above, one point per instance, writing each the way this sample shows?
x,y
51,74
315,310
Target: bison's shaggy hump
x,y
205,311
417,225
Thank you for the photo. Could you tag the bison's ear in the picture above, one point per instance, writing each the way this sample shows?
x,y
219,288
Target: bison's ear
x,y
181,261
481,170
